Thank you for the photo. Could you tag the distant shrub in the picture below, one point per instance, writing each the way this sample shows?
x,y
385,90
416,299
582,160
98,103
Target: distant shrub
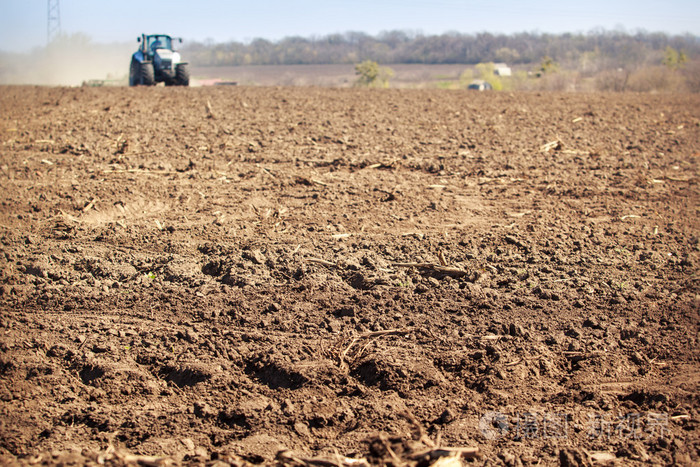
x,y
674,59
547,65
611,80
691,73
370,74
520,81
656,79
560,81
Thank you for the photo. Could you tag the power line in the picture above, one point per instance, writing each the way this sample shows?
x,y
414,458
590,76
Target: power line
x,y
53,26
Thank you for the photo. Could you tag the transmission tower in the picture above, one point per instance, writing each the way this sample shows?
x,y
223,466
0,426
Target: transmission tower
x,y
53,27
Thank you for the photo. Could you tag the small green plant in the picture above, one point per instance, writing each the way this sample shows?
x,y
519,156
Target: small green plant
x,y
618,286
151,275
547,66
622,251
371,75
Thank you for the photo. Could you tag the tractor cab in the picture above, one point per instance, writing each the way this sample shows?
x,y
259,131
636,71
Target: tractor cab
x,y
155,42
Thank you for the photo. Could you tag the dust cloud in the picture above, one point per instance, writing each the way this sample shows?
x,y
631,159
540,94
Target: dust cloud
x,y
70,60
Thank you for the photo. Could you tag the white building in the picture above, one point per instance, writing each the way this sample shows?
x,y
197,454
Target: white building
x,y
501,69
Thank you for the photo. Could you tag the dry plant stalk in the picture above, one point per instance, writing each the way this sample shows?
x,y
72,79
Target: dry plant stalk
x,y
342,358
210,112
321,262
288,459
446,270
112,454
436,454
121,145
556,145
90,204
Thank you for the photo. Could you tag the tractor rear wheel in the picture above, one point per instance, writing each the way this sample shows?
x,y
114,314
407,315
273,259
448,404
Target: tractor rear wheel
x,y
182,74
147,74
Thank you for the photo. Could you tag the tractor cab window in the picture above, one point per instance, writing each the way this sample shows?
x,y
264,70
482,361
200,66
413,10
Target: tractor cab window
x,y
159,42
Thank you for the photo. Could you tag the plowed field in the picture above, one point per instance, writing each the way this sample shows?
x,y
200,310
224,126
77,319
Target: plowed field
x,y
298,275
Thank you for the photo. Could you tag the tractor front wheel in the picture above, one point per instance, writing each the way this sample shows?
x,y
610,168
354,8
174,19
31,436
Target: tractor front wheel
x,y
182,74
134,73
148,77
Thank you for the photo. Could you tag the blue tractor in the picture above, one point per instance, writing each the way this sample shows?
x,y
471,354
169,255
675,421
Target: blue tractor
x,y
156,61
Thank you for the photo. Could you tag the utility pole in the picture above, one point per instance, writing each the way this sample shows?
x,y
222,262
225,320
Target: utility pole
x,y
53,27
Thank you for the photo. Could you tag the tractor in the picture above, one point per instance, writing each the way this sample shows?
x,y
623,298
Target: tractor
x,y
156,61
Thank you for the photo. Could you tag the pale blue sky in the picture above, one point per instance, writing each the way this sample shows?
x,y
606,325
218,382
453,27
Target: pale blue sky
x,y
23,22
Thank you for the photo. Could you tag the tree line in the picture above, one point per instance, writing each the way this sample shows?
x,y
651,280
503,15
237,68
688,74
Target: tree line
x,y
598,48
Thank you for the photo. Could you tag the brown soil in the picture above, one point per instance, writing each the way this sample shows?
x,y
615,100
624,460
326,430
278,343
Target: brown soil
x,y
204,274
